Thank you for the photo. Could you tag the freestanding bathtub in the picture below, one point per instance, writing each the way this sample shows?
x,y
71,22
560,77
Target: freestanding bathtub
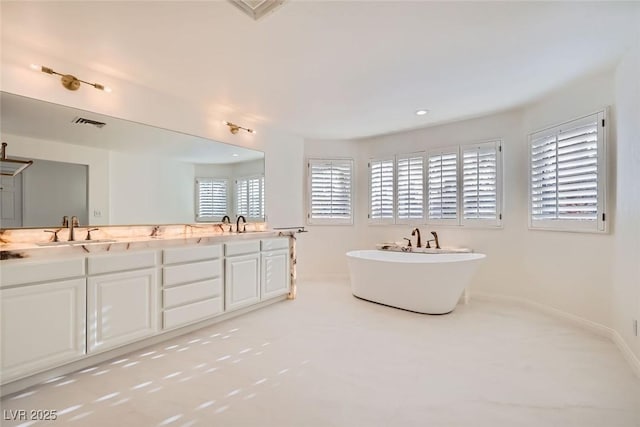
x,y
420,282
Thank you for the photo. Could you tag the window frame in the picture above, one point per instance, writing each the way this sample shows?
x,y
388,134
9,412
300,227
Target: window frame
x,y
478,222
600,225
309,194
197,181
382,221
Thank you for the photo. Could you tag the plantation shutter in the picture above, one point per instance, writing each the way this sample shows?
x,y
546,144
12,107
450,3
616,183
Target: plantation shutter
x,y
480,182
410,187
442,186
242,197
330,183
211,199
250,197
381,190
566,181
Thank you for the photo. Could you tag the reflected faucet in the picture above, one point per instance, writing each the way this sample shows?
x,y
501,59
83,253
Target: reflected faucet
x,y
72,226
244,227
413,233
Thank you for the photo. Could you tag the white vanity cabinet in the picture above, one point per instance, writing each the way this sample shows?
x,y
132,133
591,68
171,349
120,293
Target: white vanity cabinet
x,y
42,315
242,274
122,299
276,278
192,285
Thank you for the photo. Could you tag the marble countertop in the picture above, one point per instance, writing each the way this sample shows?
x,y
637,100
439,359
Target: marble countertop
x,y
17,245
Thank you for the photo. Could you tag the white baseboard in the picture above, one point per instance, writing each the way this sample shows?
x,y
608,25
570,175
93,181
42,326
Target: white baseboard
x,y
626,352
589,325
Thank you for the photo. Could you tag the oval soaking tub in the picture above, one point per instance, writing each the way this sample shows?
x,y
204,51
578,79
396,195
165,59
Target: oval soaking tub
x,y
424,283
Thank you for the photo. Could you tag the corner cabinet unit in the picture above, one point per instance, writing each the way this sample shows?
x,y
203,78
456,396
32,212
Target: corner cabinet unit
x,y
42,317
122,299
275,271
192,285
242,274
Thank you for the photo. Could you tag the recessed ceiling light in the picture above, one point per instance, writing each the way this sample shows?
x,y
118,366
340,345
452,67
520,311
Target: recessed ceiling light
x,y
421,112
236,155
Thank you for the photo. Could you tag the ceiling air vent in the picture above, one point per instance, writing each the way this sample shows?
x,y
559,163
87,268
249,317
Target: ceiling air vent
x,y
83,121
257,8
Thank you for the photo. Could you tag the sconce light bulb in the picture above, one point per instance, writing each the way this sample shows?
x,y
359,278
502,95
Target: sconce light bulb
x,y
35,67
107,89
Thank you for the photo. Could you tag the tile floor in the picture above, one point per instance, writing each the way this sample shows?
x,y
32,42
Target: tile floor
x,y
329,359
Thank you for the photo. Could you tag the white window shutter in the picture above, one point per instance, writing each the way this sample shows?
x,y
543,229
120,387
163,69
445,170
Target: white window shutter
x,y
410,188
211,199
330,191
442,184
481,183
381,190
567,176
250,197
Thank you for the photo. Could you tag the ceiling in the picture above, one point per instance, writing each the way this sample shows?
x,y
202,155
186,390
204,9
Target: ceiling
x,y
330,69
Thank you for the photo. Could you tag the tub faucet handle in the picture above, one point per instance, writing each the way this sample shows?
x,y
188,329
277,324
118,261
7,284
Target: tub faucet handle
x,y
408,241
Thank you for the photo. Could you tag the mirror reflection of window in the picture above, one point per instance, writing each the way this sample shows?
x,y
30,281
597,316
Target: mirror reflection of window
x,y
211,199
250,197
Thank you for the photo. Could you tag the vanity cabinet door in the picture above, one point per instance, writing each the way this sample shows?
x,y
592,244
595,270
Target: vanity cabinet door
x,y
275,274
42,326
242,281
121,308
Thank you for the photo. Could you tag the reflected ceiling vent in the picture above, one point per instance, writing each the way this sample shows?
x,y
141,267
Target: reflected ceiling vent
x,y
257,8
83,121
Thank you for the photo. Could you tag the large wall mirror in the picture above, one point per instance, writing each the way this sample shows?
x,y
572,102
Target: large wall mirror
x,y
110,171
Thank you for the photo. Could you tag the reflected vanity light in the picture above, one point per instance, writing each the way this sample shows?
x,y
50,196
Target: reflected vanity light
x,y
234,128
69,81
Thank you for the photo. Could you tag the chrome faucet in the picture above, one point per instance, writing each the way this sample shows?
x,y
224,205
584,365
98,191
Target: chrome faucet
x,y
244,227
72,226
413,233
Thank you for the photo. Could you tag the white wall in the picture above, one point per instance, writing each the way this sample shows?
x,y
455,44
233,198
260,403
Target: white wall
x,y
321,251
571,271
53,190
150,190
626,244
283,151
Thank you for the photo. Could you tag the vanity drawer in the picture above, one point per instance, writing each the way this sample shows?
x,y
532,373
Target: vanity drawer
x,y
240,248
108,263
192,312
24,271
179,295
273,244
193,272
189,254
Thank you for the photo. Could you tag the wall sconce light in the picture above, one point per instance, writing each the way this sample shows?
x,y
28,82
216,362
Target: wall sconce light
x,y
233,128
69,81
